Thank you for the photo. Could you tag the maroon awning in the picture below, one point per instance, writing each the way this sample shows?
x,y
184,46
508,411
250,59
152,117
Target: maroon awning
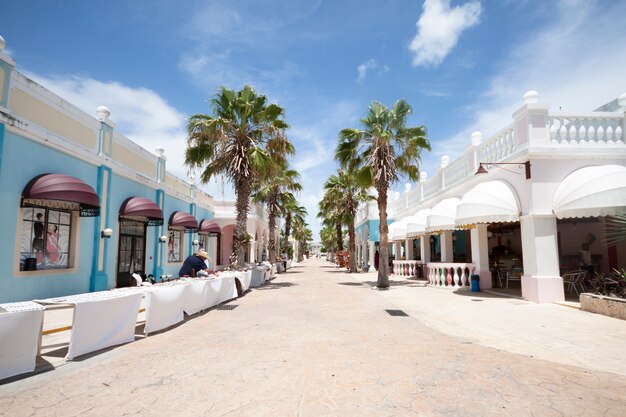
x,y
209,226
61,191
142,209
182,219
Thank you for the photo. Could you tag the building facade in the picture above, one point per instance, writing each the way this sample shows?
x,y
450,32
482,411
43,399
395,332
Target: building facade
x,y
83,207
519,208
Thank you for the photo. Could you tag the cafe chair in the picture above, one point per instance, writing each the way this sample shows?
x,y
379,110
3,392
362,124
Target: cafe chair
x,y
574,281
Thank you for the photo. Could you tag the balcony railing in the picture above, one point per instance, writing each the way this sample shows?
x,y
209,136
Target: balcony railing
x,y
450,275
408,269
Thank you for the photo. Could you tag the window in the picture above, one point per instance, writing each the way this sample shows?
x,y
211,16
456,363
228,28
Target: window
x,y
202,242
174,245
45,239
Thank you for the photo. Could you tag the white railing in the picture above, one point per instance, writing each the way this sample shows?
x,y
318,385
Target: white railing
x,y
499,146
433,185
591,128
409,269
458,170
450,275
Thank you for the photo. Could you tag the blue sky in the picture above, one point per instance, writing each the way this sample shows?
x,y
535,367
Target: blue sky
x,y
463,65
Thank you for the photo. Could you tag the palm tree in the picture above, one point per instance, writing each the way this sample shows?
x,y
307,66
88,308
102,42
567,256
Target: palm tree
x,y
275,190
328,238
291,212
302,234
349,193
330,213
236,140
382,151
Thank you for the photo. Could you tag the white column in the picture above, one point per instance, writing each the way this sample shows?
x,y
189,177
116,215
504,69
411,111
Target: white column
x,y
480,254
408,247
372,255
541,281
425,248
252,251
446,246
397,248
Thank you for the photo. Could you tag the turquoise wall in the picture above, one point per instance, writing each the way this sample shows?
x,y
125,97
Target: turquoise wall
x,y
23,159
373,226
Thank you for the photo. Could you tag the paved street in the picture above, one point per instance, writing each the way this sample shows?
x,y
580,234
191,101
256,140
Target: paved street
x,y
317,341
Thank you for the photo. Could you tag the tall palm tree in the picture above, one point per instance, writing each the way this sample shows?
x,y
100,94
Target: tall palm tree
x,y
330,213
236,140
349,193
274,189
382,151
291,211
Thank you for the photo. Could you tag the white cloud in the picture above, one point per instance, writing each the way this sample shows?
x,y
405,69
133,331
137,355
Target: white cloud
x,y
576,63
140,114
365,67
439,28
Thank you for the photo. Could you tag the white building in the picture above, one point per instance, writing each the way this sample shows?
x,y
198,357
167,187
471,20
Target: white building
x,y
550,182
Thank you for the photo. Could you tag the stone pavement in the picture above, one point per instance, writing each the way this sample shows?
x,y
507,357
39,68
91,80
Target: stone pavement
x,y
318,342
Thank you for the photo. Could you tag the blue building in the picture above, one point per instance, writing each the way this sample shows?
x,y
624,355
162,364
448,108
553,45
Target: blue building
x,y
83,207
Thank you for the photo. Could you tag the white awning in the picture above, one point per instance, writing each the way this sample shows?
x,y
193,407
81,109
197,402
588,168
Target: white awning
x,y
488,202
592,192
416,224
442,215
397,230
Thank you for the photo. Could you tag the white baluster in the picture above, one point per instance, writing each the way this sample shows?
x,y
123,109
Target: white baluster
x,y
442,278
591,133
572,133
618,134
553,131
456,279
609,134
463,277
600,133
582,133
563,133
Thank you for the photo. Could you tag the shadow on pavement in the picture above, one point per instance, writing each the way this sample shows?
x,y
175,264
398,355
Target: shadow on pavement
x,y
275,286
352,284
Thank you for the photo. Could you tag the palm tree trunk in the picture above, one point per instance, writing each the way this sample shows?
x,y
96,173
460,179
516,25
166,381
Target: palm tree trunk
x,y
383,265
242,192
272,240
352,247
339,236
287,231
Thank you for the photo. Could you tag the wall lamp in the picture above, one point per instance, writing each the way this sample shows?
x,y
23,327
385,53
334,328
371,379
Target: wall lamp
x,y
483,170
106,233
163,239
196,242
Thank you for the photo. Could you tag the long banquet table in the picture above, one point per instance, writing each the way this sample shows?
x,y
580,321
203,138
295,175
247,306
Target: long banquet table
x,y
101,319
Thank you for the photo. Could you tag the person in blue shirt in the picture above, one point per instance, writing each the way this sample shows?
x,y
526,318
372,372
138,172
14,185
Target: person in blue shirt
x,y
194,264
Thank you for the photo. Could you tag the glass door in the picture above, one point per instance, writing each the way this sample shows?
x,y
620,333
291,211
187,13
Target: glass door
x,y
131,253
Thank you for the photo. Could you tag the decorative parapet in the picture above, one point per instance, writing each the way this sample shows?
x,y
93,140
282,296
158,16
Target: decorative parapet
x,y
598,128
533,128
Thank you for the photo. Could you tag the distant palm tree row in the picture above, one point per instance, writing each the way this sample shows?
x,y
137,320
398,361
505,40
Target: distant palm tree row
x,y
377,155
244,139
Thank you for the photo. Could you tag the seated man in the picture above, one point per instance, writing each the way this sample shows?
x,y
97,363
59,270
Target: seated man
x,y
194,264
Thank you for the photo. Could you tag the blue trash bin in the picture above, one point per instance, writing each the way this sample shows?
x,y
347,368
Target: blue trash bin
x,y
475,283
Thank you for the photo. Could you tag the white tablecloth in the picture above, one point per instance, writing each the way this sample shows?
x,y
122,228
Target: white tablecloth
x,y
222,289
20,335
164,306
258,276
244,277
101,319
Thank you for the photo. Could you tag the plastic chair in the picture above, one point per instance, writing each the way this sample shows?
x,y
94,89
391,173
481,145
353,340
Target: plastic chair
x,y
574,281
514,275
